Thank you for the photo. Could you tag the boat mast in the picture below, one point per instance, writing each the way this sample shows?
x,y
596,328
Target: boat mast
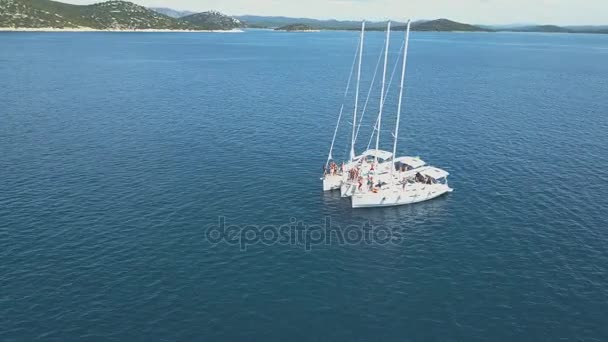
x,y
407,40
388,35
333,140
352,143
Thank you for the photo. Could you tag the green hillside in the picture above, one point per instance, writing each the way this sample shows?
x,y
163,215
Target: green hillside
x,y
212,20
295,27
117,15
446,25
19,13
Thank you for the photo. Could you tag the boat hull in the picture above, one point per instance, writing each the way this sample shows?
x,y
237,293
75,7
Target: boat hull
x,y
382,173
332,182
347,189
397,196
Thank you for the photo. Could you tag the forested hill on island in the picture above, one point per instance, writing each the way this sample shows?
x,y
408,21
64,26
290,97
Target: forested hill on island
x,y
109,15
295,28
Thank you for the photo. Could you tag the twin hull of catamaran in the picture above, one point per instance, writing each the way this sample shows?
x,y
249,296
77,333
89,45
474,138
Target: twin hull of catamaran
x,y
332,182
398,188
382,173
392,196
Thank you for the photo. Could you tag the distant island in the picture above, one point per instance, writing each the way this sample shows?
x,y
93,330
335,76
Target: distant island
x,y
296,28
442,25
437,25
559,29
126,16
445,25
109,15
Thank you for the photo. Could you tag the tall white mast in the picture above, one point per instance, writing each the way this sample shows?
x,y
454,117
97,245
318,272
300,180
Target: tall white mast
x,y
333,140
407,40
388,35
352,144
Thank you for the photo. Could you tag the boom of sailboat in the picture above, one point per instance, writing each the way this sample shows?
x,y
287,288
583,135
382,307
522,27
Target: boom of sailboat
x,y
378,178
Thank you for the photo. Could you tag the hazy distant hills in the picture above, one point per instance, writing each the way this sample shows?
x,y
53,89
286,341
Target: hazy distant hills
x,y
422,25
171,12
332,24
256,21
558,29
109,15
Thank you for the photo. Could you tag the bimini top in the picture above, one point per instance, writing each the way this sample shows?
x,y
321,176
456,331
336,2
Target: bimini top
x,y
433,172
375,153
414,162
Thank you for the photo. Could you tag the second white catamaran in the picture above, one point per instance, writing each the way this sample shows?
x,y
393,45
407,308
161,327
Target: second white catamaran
x,y
376,178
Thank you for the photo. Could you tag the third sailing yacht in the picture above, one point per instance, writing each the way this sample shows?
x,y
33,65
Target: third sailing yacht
x,y
400,185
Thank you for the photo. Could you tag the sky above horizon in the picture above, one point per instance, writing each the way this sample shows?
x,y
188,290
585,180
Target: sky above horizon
x,y
559,12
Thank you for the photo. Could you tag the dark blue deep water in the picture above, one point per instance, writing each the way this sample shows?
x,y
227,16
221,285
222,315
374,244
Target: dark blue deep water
x,y
118,153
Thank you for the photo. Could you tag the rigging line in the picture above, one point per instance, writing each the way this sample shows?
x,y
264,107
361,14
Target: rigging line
x,y
369,92
387,91
394,70
333,140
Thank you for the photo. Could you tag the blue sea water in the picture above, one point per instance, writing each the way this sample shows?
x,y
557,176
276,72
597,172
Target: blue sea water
x,y
119,151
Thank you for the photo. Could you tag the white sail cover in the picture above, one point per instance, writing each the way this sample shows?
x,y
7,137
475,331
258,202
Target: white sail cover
x,y
433,172
414,162
385,155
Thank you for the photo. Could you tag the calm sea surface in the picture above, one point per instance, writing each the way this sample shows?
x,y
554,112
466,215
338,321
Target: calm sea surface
x,y
119,151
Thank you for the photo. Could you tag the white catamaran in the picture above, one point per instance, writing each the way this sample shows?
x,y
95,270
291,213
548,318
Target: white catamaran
x,y
402,186
333,176
339,177
375,178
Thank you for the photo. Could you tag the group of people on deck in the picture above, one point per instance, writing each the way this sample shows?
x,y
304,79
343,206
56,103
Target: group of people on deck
x,y
370,183
355,174
332,169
